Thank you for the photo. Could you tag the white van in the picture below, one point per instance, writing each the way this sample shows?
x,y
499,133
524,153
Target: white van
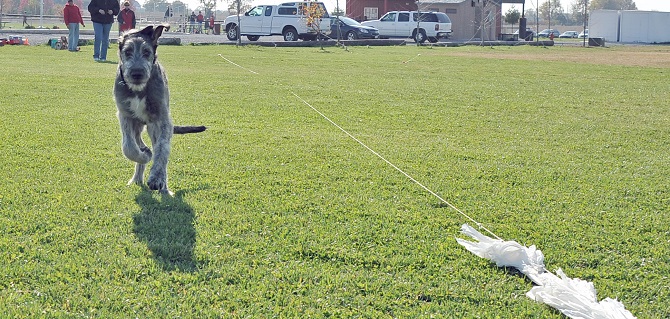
x,y
420,26
287,19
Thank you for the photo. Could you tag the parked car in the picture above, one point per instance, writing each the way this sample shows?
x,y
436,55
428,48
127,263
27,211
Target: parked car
x,y
403,24
569,34
584,34
547,32
350,29
286,19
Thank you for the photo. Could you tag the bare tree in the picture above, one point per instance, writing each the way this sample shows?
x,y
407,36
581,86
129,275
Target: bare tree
x,y
551,10
579,11
209,6
239,6
314,13
613,5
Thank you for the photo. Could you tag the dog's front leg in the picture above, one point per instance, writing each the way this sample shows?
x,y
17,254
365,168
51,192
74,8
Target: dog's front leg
x,y
138,177
133,147
131,131
160,133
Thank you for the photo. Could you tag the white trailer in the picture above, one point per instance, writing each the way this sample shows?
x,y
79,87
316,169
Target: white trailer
x,y
630,26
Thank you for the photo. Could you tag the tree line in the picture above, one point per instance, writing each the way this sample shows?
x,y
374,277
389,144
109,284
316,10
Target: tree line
x,y
553,10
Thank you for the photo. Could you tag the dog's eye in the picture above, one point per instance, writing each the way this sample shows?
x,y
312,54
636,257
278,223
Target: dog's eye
x,y
146,53
128,53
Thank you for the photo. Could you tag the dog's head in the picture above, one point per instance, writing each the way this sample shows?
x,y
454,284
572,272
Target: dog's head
x,y
137,55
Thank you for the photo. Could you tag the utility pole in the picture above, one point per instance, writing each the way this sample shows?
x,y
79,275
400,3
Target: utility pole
x,y
239,8
586,4
537,19
339,30
41,13
418,22
482,22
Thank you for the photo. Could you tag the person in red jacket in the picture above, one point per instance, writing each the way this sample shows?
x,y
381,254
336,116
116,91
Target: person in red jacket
x,y
126,18
72,17
200,20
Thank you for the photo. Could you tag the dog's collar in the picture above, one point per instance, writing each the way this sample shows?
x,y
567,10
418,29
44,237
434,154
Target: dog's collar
x,y
123,80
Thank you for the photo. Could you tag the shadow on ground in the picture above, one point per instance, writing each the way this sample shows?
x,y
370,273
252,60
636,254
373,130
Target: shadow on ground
x,y
166,225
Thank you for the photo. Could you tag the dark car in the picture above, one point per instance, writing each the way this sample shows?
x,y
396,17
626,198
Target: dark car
x,y
547,32
569,34
350,29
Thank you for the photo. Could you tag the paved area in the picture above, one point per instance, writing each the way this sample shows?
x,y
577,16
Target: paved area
x,y
39,37
42,36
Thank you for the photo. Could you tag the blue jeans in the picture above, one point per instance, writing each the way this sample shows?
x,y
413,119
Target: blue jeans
x,y
101,43
73,37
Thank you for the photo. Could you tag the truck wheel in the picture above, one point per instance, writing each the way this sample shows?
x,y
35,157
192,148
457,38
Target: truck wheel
x,y
351,35
253,37
231,33
420,37
290,34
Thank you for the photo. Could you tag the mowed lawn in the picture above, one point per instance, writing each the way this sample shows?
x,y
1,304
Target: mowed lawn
x,y
279,214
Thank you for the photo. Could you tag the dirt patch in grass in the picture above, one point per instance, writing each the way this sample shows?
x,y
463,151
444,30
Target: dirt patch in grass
x,y
624,55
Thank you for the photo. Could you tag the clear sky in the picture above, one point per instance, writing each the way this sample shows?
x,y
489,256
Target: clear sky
x,y
647,5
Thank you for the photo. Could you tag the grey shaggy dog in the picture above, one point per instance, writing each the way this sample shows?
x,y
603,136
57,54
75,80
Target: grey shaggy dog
x,y
143,100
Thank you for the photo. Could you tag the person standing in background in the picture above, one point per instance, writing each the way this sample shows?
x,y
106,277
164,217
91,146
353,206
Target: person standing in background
x,y
200,19
168,14
211,24
191,22
126,18
72,17
102,15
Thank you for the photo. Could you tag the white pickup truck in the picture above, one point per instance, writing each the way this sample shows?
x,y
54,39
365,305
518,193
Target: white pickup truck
x,y
286,19
420,26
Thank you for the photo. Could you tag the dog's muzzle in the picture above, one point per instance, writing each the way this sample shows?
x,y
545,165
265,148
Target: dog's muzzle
x,y
136,78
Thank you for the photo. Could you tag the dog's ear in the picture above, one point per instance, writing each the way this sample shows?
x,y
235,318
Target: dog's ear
x,y
148,31
158,31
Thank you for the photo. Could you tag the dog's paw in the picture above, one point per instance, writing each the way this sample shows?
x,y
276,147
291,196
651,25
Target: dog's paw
x,y
145,155
157,183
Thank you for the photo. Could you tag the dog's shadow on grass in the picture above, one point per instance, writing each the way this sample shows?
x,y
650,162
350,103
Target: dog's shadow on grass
x,y
166,225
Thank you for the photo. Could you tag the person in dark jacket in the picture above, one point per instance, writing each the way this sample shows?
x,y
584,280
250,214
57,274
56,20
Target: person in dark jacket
x,y
102,15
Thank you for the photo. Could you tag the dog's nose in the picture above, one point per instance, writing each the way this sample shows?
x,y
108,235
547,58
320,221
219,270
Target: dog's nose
x,y
137,74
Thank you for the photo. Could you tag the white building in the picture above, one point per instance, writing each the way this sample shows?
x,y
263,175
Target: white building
x,y
630,26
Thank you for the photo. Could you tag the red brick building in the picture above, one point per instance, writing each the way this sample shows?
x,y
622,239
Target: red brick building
x,y
470,19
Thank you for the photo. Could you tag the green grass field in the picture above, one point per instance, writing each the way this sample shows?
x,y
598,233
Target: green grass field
x,y
278,214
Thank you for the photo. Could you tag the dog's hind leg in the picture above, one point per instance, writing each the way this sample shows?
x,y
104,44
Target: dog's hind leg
x,y
138,177
160,133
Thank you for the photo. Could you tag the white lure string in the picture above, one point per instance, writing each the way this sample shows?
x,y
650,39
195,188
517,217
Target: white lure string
x,y
237,65
397,168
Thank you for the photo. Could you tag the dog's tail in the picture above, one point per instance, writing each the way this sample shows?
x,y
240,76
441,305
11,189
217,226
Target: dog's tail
x,y
188,129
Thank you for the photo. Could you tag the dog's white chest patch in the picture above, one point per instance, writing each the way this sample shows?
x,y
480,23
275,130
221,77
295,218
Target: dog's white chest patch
x,y
139,108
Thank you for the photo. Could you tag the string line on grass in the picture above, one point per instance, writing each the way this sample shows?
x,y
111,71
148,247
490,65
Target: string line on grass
x,y
237,65
480,225
397,168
